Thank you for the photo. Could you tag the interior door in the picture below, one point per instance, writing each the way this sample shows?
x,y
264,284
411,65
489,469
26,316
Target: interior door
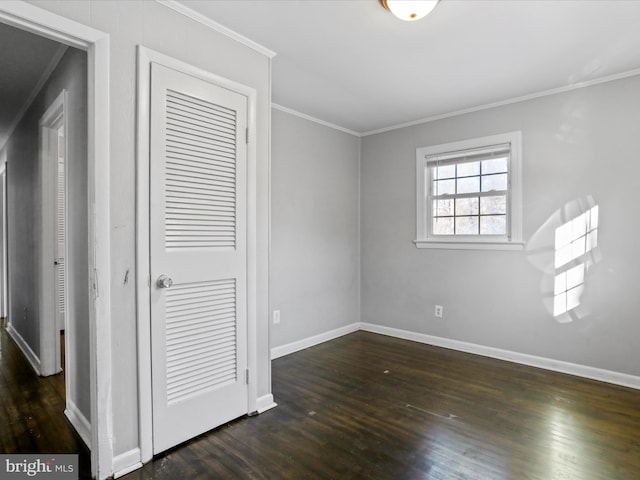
x,y
60,228
198,255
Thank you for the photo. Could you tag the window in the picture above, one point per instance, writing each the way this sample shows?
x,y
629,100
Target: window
x,y
469,194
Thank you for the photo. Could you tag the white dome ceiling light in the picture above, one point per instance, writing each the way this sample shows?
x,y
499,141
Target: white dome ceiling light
x,y
409,10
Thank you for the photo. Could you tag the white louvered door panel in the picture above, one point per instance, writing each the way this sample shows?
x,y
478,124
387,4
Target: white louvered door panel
x,y
198,239
60,230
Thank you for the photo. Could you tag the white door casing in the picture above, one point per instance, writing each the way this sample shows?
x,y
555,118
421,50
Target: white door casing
x,y
198,244
41,22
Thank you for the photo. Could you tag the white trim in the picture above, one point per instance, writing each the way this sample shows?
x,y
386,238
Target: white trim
x,y
575,369
53,63
265,403
4,307
48,160
281,351
126,462
523,98
424,162
79,422
100,256
145,57
593,373
30,355
206,21
453,245
143,307
314,119
58,28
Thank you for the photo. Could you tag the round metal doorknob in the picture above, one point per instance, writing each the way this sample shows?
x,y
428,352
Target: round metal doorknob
x,y
164,281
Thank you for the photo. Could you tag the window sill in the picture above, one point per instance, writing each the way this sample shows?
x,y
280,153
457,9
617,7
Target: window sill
x,y
457,245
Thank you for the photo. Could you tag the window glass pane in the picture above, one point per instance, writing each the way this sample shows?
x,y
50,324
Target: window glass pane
x,y
496,165
493,225
443,208
445,171
493,205
494,182
468,169
467,206
466,225
442,187
468,185
443,226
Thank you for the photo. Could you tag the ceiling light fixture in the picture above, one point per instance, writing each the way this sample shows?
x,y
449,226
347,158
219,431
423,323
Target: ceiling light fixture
x,y
409,10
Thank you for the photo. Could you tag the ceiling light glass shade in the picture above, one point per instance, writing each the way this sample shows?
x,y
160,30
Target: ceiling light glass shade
x,y
409,10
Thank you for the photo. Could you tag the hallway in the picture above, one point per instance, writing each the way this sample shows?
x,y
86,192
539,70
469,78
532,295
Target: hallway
x,y
31,410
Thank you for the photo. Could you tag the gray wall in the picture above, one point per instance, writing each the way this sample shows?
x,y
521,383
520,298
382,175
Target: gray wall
x,y
315,253
148,23
24,217
575,144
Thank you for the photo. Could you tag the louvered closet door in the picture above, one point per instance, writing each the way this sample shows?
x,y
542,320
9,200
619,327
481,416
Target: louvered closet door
x,y
60,230
198,240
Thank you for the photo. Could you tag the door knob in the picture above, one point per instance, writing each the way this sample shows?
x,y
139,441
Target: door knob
x,y
164,281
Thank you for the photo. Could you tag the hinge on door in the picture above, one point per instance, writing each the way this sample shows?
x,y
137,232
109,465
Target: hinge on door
x,y
246,135
246,376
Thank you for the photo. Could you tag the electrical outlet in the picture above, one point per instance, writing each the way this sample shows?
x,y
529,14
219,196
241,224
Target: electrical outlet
x,y
276,316
439,311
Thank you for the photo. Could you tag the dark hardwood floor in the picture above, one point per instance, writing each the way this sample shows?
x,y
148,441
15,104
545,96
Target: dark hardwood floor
x,y
32,409
366,406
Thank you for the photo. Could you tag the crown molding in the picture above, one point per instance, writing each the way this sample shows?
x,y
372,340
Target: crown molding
x,y
554,91
206,21
314,119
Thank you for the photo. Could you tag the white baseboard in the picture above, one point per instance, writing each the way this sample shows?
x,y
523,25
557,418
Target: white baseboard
x,y
281,351
25,348
265,403
593,373
126,462
79,422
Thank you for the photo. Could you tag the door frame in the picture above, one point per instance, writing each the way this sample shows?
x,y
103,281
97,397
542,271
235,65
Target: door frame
x,y
33,19
143,291
49,334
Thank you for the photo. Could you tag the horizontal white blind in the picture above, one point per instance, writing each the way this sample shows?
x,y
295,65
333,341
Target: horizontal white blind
x,y
472,155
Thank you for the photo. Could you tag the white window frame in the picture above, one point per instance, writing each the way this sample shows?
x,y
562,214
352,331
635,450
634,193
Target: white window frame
x,y
426,156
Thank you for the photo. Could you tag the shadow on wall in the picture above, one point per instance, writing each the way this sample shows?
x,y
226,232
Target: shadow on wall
x,y
564,248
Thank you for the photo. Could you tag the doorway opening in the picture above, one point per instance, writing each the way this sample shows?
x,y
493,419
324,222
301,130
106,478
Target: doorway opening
x,y
44,153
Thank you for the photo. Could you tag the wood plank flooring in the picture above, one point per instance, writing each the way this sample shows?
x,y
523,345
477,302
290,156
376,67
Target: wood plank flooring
x,y
32,409
366,406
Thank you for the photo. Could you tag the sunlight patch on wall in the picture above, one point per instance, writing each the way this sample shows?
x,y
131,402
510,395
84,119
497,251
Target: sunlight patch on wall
x,y
573,241
565,248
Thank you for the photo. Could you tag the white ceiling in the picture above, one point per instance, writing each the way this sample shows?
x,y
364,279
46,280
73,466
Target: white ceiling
x,y
351,63
24,59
